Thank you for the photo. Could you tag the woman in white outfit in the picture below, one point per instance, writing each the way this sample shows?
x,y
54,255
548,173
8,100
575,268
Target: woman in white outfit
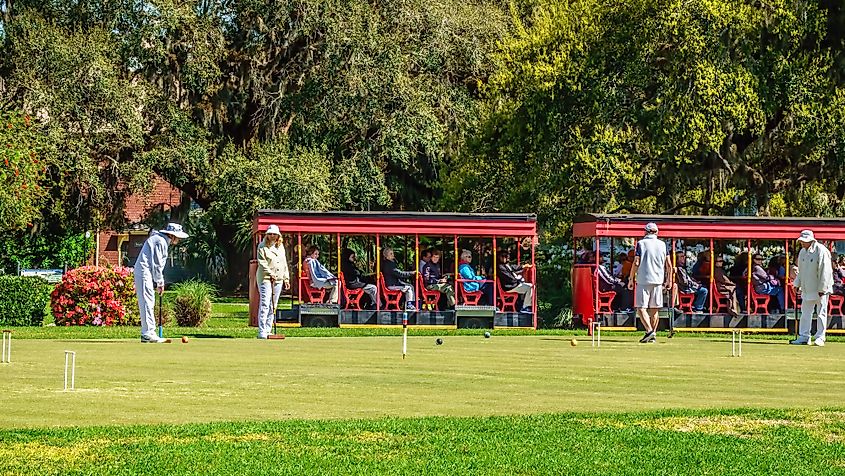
x,y
272,275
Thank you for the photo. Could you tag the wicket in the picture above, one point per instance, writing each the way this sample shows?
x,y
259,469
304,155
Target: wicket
x,y
736,351
6,357
70,355
596,334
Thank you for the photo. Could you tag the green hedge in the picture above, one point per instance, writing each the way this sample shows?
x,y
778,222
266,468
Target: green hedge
x,y
23,300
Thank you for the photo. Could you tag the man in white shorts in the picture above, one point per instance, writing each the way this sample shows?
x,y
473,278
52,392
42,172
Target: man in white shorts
x,y
653,270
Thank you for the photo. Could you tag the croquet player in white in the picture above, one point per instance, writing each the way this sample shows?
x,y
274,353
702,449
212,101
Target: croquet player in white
x,y
271,276
653,270
815,284
149,276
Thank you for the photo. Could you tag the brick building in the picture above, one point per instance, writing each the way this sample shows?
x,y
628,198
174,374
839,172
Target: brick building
x,y
121,247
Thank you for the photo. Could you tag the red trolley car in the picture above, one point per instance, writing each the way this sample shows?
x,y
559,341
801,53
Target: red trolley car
x,y
732,240
371,230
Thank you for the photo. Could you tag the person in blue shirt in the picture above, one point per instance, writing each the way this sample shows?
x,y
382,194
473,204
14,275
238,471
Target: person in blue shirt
x,y
474,281
320,276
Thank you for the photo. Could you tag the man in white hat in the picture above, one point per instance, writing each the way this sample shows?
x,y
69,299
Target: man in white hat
x,y
272,275
149,276
653,270
815,284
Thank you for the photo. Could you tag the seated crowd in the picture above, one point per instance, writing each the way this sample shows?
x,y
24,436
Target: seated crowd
x,y
478,288
694,284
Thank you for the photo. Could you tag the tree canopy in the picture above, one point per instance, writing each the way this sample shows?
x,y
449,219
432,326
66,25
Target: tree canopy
x,y
702,106
293,104
549,106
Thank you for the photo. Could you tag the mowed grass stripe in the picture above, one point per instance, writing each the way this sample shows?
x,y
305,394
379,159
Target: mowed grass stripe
x,y
685,442
206,380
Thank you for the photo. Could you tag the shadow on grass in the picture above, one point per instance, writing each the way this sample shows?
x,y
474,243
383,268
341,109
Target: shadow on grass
x,y
104,340
206,336
755,342
586,339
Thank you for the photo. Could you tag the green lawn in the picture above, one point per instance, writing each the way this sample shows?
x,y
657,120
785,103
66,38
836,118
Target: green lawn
x,y
520,403
126,382
696,443
506,405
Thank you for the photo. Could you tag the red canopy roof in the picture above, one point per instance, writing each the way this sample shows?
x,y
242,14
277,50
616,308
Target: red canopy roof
x,y
731,228
397,223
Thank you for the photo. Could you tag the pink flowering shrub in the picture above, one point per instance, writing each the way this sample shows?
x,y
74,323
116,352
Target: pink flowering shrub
x,y
95,296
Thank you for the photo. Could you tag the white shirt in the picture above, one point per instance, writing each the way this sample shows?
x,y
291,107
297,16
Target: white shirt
x,y
815,272
652,253
153,257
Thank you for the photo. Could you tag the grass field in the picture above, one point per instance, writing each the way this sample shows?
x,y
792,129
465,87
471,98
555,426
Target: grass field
x,y
125,382
525,403
661,443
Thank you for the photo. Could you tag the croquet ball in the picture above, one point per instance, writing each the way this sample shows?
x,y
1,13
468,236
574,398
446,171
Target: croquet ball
x,y
439,341
184,340
486,335
573,342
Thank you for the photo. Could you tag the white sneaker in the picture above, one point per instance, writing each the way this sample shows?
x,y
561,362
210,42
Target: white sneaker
x,y
820,342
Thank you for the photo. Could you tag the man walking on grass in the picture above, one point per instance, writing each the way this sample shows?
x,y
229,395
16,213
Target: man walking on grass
x,y
653,270
814,283
149,276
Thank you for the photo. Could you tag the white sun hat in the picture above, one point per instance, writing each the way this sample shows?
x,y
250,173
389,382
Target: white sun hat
x,y
273,230
174,229
807,236
651,227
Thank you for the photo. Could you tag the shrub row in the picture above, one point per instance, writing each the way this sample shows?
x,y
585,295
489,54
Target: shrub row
x,y
23,300
95,296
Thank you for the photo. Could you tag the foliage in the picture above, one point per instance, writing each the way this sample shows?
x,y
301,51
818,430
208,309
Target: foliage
x,y
192,305
545,106
279,176
22,169
23,300
554,298
659,106
70,80
205,254
293,104
43,250
95,296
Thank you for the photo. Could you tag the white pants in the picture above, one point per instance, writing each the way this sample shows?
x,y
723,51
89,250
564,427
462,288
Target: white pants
x,y
409,293
266,305
527,289
145,289
806,324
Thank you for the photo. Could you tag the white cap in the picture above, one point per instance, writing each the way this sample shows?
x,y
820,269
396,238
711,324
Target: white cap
x,y
651,227
807,236
174,229
273,230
